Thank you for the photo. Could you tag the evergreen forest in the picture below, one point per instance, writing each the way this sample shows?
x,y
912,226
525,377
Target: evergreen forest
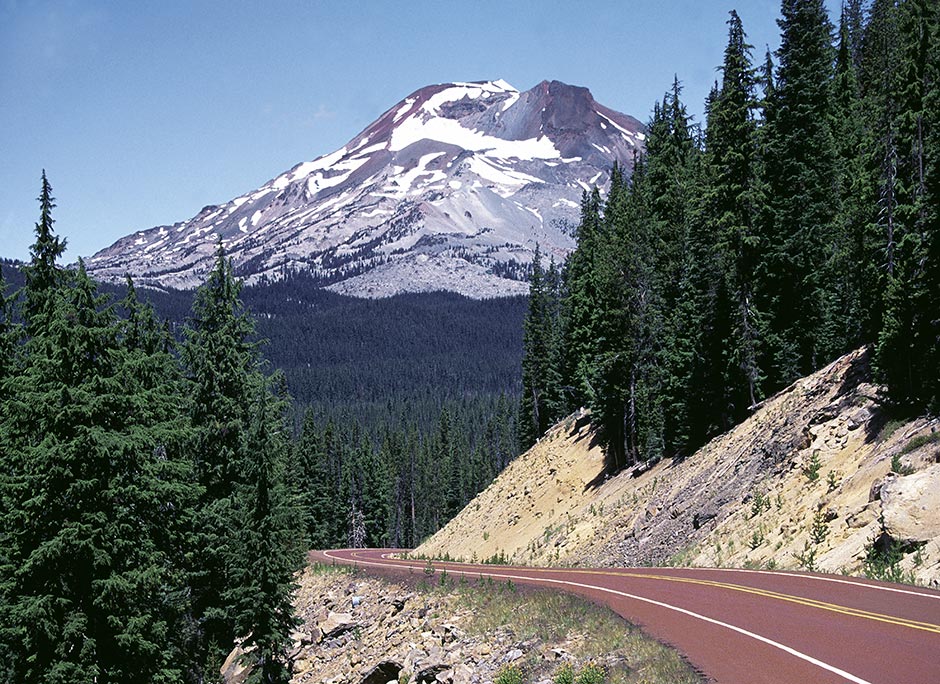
x,y
166,458
799,223
159,483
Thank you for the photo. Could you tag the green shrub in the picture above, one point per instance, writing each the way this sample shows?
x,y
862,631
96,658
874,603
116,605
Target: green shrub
x,y
564,674
820,529
898,467
883,558
919,441
510,674
591,674
811,471
889,429
759,502
757,538
807,557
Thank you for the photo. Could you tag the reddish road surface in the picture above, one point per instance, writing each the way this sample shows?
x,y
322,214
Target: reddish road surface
x,y
742,626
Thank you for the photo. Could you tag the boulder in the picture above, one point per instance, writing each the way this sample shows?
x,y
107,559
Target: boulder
x,y
910,505
428,673
382,673
874,493
336,624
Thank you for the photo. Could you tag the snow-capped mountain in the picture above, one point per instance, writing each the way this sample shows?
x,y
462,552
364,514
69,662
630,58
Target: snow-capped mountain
x,y
450,189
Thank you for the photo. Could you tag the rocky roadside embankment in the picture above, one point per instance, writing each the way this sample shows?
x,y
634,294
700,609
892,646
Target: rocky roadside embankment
x,y
363,630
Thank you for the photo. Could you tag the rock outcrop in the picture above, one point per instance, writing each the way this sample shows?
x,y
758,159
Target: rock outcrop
x,y
910,506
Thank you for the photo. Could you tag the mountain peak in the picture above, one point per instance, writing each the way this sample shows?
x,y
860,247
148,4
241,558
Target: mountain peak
x,y
451,188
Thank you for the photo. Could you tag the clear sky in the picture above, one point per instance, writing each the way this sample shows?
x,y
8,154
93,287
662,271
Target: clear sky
x,y
144,112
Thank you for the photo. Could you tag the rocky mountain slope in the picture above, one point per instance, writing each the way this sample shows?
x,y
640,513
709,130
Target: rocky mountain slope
x,y
450,189
820,477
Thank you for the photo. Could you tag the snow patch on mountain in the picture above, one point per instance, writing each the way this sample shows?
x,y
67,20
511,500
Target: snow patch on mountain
x,y
452,188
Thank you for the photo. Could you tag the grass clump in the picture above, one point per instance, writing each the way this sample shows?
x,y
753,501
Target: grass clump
x,y
890,428
551,617
332,569
898,467
591,674
564,675
920,440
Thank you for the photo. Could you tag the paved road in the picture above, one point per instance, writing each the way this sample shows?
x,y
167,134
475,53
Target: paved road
x,y
743,626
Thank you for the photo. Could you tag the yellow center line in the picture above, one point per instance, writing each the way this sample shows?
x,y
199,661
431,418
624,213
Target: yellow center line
x,y
812,603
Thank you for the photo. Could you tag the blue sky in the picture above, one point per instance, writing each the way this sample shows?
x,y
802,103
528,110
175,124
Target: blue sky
x,y
144,112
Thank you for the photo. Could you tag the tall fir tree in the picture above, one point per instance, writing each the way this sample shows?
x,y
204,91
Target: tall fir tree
x,y
313,485
43,274
265,552
669,166
624,374
732,145
726,375
95,492
540,379
9,330
907,345
801,175
579,305
222,370
929,317
856,293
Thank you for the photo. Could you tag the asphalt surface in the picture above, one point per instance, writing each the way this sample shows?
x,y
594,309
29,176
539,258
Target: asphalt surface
x,y
742,626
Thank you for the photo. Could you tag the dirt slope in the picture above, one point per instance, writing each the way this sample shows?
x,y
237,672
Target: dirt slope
x,y
806,482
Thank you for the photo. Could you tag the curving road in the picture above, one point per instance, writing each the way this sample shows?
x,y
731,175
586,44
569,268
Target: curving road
x,y
743,626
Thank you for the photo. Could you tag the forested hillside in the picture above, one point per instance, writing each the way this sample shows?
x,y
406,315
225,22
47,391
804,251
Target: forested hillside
x,y
800,223
159,484
341,352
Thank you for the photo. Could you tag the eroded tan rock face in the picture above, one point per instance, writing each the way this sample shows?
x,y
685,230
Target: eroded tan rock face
x,y
910,505
797,485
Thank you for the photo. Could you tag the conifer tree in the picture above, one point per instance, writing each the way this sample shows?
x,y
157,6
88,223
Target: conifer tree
x,y
94,497
223,375
264,554
313,485
43,274
540,379
929,318
908,342
8,331
800,170
855,276
852,21
624,376
579,305
705,315
669,167
732,154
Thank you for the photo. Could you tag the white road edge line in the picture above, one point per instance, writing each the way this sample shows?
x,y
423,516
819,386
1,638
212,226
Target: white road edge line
x,y
770,642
